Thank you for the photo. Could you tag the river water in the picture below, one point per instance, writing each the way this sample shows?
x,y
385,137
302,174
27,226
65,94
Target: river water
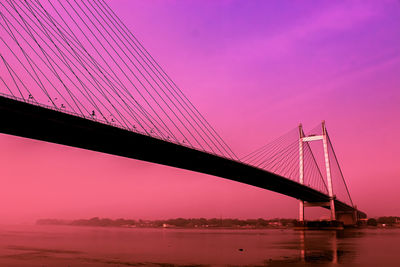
x,y
94,246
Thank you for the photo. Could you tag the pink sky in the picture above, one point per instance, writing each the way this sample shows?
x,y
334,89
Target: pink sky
x,y
255,69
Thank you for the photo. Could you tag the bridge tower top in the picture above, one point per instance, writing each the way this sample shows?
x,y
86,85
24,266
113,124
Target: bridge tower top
x,y
324,139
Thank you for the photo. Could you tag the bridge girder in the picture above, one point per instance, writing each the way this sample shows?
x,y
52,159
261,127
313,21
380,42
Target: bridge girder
x,y
40,123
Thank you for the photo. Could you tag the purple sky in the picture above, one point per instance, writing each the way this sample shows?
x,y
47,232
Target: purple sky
x,y
255,69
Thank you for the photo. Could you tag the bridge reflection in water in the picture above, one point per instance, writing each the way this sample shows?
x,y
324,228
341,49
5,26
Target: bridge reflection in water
x,y
328,246
321,247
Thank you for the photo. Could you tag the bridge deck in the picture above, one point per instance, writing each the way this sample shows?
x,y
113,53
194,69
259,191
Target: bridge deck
x,y
36,122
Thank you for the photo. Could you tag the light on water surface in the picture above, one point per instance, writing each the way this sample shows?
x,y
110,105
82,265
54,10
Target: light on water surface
x,y
96,246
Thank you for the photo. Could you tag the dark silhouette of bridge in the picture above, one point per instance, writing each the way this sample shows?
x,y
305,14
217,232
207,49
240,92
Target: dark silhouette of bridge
x,y
55,89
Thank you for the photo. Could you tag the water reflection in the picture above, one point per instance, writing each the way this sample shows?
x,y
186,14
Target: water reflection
x,y
316,250
86,246
320,247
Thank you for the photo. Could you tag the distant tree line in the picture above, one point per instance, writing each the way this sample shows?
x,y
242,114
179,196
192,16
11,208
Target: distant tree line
x,y
388,220
178,222
200,222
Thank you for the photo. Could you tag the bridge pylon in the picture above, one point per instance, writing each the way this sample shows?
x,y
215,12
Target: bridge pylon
x,y
301,171
302,140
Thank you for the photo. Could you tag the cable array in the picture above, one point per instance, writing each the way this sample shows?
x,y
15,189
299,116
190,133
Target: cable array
x,y
77,56
340,188
339,183
281,156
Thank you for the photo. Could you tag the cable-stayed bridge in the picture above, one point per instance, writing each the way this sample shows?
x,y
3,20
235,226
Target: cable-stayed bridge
x,y
72,73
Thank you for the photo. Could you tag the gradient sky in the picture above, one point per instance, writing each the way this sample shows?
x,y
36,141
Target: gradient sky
x,y
255,69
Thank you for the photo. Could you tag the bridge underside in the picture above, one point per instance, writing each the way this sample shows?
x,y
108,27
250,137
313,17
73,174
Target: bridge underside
x,y
35,122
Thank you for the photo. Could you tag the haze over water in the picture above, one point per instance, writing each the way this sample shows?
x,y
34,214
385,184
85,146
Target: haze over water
x,y
95,246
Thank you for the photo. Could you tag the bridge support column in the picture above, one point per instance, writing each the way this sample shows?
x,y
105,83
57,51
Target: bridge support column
x,y
328,172
301,171
347,217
